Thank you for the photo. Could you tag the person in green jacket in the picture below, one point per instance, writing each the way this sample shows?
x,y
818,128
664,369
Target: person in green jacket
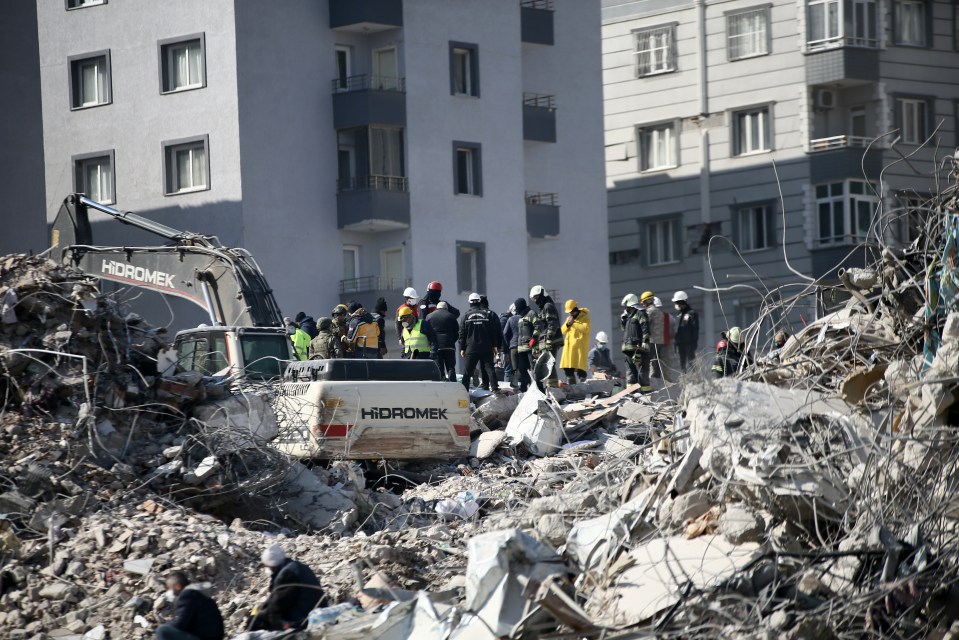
x,y
300,340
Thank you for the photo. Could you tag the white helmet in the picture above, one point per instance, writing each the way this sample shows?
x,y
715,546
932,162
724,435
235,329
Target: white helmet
x,y
630,300
537,290
475,297
410,293
680,296
657,302
602,337
512,309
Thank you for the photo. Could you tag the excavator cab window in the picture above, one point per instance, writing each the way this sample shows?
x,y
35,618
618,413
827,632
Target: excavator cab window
x,y
265,355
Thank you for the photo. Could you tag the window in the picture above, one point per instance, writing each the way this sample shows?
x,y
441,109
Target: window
x,y
751,131
351,269
624,257
912,116
470,267
915,214
754,227
657,147
182,64
467,169
93,175
845,212
857,121
186,165
662,242
747,33
824,21
654,50
90,80
911,26
386,152
863,24
342,60
79,4
464,69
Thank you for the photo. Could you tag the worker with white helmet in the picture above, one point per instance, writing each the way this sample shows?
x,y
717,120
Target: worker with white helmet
x,y
687,330
548,335
599,359
410,298
635,324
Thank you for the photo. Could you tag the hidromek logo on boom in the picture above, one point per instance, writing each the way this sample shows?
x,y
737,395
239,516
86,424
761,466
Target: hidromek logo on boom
x,y
139,274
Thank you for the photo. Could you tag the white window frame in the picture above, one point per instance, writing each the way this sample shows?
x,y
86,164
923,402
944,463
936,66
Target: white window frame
x,y
832,28
852,199
746,217
82,4
913,119
355,250
865,24
171,156
98,161
657,147
757,39
472,155
343,83
195,46
655,50
661,235
746,140
462,61
100,61
921,37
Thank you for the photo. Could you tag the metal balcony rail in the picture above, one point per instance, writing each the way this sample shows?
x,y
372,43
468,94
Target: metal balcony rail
x,y
374,283
540,100
838,142
842,41
546,5
539,197
366,81
373,183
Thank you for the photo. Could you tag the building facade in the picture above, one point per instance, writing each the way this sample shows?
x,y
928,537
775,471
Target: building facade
x,y
355,147
751,145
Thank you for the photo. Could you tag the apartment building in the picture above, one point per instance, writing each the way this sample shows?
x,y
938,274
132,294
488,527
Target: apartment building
x,y
355,147
749,141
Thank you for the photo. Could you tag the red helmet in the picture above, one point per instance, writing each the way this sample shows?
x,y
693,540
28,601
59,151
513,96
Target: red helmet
x,y
722,344
434,286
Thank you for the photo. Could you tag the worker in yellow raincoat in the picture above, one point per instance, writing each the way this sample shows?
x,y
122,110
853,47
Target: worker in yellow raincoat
x,y
576,333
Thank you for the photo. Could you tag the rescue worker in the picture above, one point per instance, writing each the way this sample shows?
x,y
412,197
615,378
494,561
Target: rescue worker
x,y
307,323
409,300
658,338
516,337
327,343
197,616
379,315
635,324
300,340
294,592
730,355
599,359
576,331
509,376
362,339
547,335
340,319
447,331
779,341
687,330
428,303
419,339
479,341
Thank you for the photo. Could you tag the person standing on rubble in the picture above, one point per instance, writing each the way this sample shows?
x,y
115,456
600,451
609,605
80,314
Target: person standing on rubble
x,y
730,354
687,330
509,375
362,339
409,300
479,341
444,325
326,344
294,592
379,315
576,331
658,338
635,324
548,336
599,359
419,339
516,336
197,616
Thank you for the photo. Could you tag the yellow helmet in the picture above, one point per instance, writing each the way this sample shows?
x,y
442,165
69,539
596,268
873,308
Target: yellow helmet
x,y
570,305
646,297
404,312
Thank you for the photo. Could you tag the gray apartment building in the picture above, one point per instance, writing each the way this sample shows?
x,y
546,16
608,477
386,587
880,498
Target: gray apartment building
x,y
748,139
353,146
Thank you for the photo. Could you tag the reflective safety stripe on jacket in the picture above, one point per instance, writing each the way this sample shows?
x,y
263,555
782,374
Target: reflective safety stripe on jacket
x,y
367,335
301,344
415,340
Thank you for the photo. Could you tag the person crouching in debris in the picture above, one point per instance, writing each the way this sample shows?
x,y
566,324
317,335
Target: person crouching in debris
x,y
197,616
294,592
600,360
779,341
730,355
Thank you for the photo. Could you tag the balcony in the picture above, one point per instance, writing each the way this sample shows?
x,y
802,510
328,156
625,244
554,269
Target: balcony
x,y
839,162
838,142
841,66
377,284
542,214
536,21
373,203
539,117
366,16
363,100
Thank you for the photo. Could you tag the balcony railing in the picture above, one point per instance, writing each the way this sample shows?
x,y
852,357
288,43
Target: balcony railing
x,y
540,100
373,183
539,197
546,5
842,41
838,142
374,283
366,82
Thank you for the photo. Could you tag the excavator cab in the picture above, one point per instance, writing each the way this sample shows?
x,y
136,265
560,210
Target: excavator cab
x,y
255,353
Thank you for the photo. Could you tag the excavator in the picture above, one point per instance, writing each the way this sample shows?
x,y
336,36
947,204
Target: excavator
x,y
245,337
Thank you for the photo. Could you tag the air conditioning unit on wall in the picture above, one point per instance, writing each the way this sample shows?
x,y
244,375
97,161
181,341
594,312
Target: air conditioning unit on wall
x,y
825,98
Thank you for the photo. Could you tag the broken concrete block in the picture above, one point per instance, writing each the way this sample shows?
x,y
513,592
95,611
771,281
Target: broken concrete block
x,y
741,524
553,529
58,591
635,412
203,470
537,423
139,566
238,422
495,411
689,506
485,445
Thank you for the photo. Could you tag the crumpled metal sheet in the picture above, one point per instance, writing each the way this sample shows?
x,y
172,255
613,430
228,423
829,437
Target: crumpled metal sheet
x,y
538,423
